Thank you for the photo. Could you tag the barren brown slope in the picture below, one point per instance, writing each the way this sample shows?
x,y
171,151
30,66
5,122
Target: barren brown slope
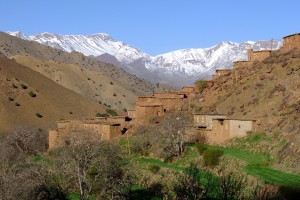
x,y
92,85
53,102
268,91
133,86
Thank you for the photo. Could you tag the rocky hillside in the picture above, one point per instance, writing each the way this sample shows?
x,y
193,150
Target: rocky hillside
x,y
95,80
176,68
268,91
27,97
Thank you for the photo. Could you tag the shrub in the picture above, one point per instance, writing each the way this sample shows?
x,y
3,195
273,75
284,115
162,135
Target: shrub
x,y
32,94
17,104
201,148
111,83
114,94
124,109
11,99
200,85
23,86
14,86
38,115
111,112
102,115
211,157
154,169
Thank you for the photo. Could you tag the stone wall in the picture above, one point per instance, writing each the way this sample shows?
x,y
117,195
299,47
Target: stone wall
x,y
145,112
131,114
240,64
74,131
218,128
258,55
205,121
188,89
122,120
239,128
145,100
222,72
175,95
290,42
53,139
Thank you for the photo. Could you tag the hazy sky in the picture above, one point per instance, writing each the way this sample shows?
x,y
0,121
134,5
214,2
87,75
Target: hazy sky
x,y
156,26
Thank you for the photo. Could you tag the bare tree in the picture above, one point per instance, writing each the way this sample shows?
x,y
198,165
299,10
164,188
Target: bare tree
x,y
231,185
18,180
22,142
172,133
93,166
166,138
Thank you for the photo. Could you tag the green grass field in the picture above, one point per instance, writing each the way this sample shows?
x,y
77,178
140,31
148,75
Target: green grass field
x,y
248,157
255,166
160,163
273,176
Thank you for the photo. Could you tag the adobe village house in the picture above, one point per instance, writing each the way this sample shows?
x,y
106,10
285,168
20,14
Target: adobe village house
x,y
217,128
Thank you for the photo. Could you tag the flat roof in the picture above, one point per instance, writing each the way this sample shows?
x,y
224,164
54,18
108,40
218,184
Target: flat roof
x,y
146,97
207,114
103,123
291,35
262,51
149,105
236,119
94,118
223,69
172,92
239,61
120,116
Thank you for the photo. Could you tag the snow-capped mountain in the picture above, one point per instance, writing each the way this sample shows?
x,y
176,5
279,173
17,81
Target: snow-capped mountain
x,y
176,68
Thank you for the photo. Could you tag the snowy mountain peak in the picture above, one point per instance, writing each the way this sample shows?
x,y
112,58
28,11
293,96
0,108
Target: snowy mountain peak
x,y
185,64
17,34
103,36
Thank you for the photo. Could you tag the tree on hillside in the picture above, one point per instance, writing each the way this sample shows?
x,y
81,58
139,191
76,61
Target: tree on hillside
x,y
200,85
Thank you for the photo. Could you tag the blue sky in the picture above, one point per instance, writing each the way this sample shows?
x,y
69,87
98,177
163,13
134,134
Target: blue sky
x,y
156,26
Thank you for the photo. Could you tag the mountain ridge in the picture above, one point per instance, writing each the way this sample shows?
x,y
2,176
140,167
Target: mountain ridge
x,y
188,64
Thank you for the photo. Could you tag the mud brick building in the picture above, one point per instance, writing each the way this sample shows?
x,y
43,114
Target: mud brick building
x,y
218,128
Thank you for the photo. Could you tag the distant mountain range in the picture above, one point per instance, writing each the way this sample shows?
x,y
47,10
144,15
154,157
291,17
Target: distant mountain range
x,y
176,68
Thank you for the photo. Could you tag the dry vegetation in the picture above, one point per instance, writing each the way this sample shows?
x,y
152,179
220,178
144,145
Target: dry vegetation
x,y
27,97
267,91
84,75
